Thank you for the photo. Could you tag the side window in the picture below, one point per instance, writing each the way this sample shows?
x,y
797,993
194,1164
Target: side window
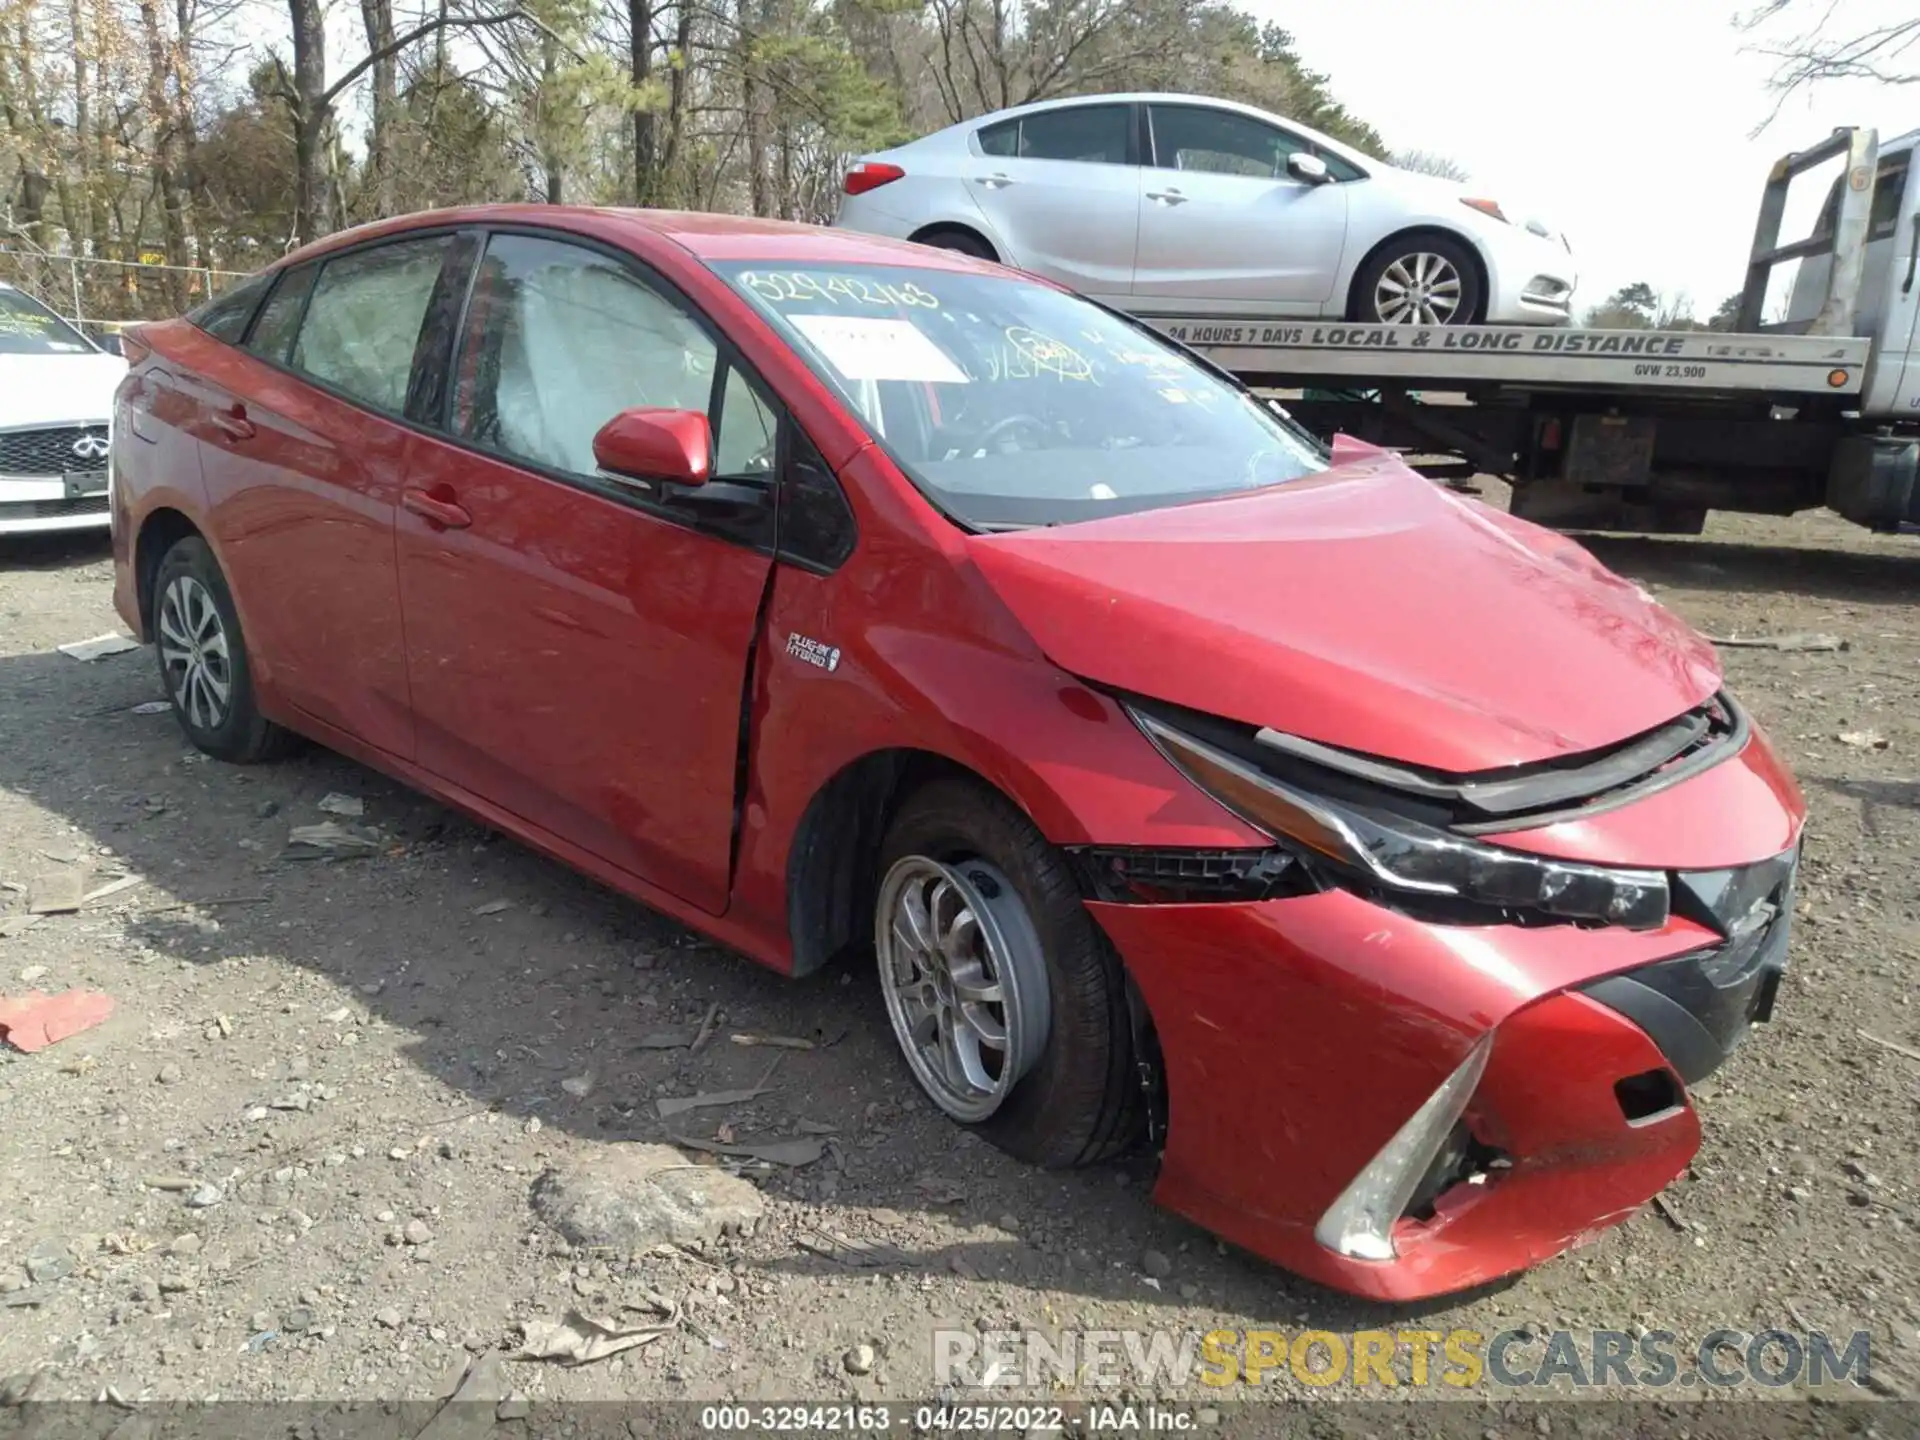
x,y
1218,142
1092,134
272,334
1001,139
225,316
816,526
1889,189
363,322
559,339
745,442
1336,167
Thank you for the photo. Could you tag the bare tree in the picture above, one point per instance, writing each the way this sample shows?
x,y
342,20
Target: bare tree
x,y
1810,41
1429,162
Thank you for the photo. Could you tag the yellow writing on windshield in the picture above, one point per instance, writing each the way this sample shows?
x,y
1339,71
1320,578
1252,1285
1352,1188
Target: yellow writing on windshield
x,y
1031,355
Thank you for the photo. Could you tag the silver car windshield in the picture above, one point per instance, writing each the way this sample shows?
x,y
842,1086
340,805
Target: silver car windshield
x,y
1013,404
29,328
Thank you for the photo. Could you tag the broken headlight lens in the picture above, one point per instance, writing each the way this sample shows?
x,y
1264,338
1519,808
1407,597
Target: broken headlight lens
x,y
1398,855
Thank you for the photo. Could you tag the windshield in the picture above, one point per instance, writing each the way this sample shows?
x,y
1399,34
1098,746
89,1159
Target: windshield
x,y
1013,404
28,328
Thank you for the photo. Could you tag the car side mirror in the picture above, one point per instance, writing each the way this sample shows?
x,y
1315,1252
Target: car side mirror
x,y
1309,169
669,447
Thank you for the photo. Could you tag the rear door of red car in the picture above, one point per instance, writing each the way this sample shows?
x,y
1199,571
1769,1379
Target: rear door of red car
x,y
578,646
304,457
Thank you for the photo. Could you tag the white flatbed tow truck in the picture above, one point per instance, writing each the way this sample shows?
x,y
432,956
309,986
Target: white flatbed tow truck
x,y
1649,430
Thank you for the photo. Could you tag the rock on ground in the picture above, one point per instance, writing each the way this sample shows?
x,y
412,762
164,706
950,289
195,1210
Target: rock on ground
x,y
633,1196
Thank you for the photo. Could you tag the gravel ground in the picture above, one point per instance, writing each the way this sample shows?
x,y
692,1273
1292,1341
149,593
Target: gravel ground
x,y
369,1065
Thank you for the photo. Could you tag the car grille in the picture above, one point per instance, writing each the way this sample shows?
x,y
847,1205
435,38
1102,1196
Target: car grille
x,y
49,451
53,509
1697,1007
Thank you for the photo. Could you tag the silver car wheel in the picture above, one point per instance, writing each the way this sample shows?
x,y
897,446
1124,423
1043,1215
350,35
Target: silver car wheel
x,y
194,655
1418,289
965,981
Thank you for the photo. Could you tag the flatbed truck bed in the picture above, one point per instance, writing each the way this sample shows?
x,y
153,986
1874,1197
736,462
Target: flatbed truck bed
x,y
1650,430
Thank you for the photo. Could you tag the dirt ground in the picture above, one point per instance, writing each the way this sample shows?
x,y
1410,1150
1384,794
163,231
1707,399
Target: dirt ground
x,y
344,1049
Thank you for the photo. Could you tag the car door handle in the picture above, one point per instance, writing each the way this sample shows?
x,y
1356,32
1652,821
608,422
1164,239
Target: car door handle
x,y
444,514
233,423
1167,197
994,181
1906,286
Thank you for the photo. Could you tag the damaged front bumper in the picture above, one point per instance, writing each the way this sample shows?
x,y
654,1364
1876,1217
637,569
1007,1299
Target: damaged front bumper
x,y
1401,1109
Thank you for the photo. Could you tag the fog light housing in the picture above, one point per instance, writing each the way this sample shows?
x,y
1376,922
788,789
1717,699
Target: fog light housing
x,y
1360,1223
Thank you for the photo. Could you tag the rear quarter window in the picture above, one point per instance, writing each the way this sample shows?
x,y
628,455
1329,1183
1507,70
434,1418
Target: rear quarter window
x,y
225,317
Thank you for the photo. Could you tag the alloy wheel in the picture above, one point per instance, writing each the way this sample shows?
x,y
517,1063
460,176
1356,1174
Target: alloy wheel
x,y
194,653
965,981
1418,289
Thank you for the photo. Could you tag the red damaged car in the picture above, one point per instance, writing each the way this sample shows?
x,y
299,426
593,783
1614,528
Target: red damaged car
x,y
1382,860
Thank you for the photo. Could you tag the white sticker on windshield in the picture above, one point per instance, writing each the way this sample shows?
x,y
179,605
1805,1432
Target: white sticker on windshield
x,y
865,347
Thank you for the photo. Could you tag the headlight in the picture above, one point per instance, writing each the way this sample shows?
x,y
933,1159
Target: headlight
x,y
1402,856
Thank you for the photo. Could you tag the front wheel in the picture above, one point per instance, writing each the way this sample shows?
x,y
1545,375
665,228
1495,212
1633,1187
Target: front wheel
x,y
1006,999
1421,280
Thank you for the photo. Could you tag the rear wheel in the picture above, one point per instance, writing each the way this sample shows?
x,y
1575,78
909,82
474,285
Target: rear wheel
x,y
1007,1001
964,241
203,658
1419,280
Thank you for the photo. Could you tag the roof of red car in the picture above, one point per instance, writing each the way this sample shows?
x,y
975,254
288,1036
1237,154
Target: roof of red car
x,y
706,235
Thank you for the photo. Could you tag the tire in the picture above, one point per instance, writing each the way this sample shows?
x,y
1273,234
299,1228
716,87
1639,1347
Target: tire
x,y
203,659
1438,267
1077,1100
963,241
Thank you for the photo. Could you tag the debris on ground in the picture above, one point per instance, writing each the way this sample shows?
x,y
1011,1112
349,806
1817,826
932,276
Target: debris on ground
x,y
669,1106
581,1339
112,887
474,1404
793,1153
329,840
1798,642
493,907
33,1021
335,803
60,893
578,1086
112,643
777,1042
1892,1045
19,924
664,1040
1863,739
852,1253
1669,1212
632,1196
706,1028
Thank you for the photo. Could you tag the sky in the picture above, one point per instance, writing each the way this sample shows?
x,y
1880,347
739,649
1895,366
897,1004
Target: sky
x,y
1625,123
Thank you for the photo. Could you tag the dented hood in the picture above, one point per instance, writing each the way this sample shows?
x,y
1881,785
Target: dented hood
x,y
1365,608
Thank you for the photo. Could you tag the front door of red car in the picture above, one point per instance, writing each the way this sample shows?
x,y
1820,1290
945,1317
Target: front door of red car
x,y
578,646
303,452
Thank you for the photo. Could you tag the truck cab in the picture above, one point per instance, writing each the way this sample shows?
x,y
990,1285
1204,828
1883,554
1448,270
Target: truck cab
x,y
1889,296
